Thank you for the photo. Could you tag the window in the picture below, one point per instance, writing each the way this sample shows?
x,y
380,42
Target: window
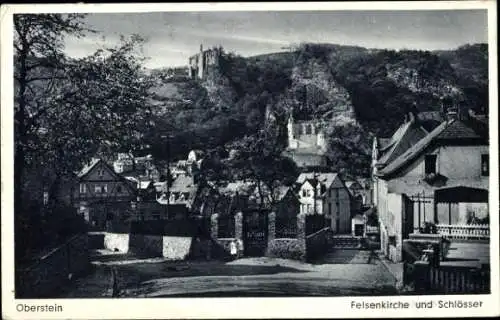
x,y
119,189
83,188
308,129
329,208
101,189
100,172
485,164
309,208
430,163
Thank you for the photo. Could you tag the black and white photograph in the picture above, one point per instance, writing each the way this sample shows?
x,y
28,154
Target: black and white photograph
x,y
213,153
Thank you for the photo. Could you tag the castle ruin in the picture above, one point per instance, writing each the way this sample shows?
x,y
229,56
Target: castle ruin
x,y
203,61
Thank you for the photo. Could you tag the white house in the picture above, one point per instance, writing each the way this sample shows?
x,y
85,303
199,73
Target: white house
x,y
442,179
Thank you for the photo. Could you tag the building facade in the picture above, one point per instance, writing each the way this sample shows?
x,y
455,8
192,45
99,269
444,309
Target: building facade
x,y
306,143
441,179
102,195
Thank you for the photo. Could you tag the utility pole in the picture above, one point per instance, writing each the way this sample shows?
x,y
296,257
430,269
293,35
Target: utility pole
x,y
315,177
167,149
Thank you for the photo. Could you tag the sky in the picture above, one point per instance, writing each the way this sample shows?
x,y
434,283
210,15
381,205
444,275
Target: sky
x,y
174,36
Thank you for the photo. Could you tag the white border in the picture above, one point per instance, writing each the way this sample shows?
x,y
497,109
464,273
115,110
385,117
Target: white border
x,y
337,307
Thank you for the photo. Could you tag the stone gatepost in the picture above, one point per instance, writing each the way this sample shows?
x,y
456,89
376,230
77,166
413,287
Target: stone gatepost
x,y
271,227
238,225
238,232
214,226
301,235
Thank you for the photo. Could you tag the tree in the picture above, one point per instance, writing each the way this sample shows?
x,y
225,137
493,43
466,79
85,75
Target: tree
x,y
38,58
259,159
68,110
349,149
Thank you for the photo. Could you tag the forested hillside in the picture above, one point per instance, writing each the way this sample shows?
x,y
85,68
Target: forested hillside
x,y
367,91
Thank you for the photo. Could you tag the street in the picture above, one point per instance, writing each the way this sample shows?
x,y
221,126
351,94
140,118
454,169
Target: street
x,y
340,273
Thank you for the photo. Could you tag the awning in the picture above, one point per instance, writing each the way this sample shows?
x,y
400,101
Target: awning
x,y
460,194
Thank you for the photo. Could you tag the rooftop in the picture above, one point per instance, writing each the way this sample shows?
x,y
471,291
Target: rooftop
x,y
326,178
454,129
406,136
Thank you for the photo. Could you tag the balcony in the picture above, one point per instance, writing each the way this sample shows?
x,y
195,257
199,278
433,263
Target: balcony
x,y
464,232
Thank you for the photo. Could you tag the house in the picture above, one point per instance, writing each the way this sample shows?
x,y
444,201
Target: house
x,y
102,194
124,163
195,156
442,179
136,166
356,192
326,193
187,196
283,200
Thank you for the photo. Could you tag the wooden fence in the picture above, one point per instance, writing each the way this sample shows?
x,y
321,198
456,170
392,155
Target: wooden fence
x,y
464,232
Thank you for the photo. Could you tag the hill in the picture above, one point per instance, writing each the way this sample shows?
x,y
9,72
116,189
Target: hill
x,y
352,86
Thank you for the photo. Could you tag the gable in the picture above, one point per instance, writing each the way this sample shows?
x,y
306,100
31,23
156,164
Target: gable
x,y
100,172
306,185
337,183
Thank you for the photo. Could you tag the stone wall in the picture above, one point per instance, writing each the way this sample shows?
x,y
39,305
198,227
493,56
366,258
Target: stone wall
x,y
176,248
223,245
117,242
48,276
287,248
146,245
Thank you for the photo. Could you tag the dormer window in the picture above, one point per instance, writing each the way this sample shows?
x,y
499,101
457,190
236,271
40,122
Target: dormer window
x,y
430,163
485,164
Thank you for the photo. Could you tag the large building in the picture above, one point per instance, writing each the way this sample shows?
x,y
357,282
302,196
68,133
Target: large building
x,y
306,143
200,63
440,178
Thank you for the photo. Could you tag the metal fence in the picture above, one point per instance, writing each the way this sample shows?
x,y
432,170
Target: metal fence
x,y
226,226
447,279
314,223
286,227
